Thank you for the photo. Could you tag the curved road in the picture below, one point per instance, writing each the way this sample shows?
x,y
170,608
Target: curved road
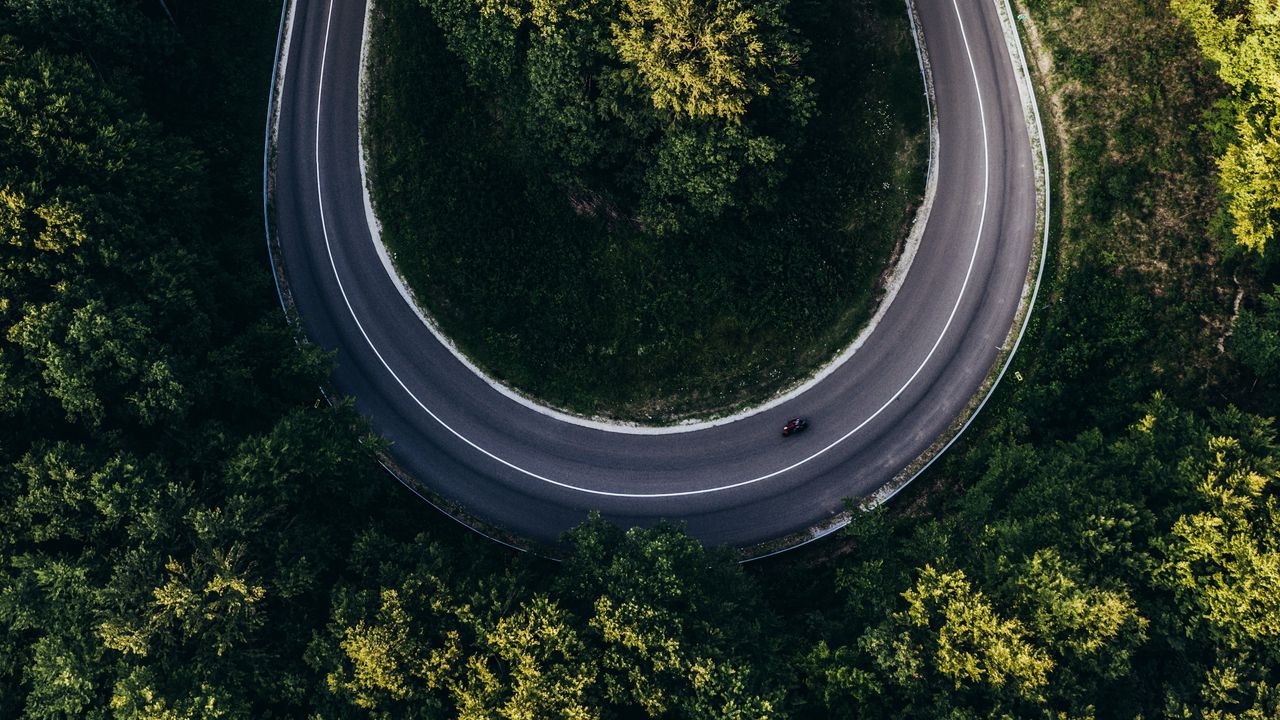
x,y
739,483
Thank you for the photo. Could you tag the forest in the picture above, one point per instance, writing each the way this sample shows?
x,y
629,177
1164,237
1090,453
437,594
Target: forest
x,y
189,530
726,212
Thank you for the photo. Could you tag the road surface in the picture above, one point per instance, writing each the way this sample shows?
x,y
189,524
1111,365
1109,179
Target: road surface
x,y
740,483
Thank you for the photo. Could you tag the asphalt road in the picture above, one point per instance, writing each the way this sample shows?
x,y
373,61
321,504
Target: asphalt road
x,y
740,483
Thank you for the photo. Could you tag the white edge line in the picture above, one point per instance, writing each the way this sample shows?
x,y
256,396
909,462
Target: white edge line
x,y
896,280
1027,89
283,36
702,491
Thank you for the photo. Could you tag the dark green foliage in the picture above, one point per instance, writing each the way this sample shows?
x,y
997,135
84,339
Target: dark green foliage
x,y
1243,42
668,111
1096,343
638,624
116,37
1137,298
523,175
186,532
1256,344
674,629
1095,578
166,481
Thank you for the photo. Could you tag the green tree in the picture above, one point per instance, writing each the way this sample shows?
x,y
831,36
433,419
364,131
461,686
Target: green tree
x,y
1244,44
697,170
1221,561
1256,340
945,651
1096,577
92,358
114,34
415,635
665,112
673,629
531,664
705,59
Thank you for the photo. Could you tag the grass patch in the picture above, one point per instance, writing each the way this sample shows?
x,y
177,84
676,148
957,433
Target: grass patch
x,y
577,306
1137,295
1141,295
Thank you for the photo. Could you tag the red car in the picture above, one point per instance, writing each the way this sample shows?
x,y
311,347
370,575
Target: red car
x,y
794,425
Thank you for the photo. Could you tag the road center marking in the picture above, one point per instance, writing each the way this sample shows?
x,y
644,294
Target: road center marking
x,y
986,182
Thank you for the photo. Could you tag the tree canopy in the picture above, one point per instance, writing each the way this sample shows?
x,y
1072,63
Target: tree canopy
x,y
188,531
672,111
1243,42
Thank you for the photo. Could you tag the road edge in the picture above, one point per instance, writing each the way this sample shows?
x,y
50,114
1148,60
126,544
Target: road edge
x,y
292,317
1018,330
897,277
1031,114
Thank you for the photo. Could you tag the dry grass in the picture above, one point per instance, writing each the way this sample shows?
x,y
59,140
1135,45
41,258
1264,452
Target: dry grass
x,y
1127,92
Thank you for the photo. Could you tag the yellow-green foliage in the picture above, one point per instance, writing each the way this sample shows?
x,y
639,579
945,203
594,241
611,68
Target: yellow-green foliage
x,y
967,638
702,59
1246,49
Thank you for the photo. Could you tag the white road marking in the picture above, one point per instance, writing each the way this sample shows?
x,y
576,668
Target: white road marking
x,y
1026,89
569,486
896,280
